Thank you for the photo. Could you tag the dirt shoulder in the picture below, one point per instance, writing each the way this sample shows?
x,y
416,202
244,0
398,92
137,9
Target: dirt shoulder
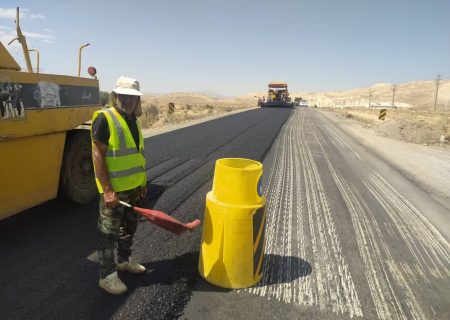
x,y
175,110
168,126
427,165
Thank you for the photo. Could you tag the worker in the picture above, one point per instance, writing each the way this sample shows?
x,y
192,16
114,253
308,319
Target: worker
x,y
259,101
119,165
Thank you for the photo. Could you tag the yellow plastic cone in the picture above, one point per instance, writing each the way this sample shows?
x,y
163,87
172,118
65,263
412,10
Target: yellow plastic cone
x,y
232,247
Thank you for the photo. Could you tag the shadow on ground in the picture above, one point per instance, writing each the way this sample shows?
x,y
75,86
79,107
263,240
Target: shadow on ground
x,y
279,269
283,269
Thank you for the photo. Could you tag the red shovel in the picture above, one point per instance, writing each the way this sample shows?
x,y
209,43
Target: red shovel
x,y
164,220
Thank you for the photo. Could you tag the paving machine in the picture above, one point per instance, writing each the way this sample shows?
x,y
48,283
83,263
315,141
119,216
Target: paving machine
x,y
278,96
44,139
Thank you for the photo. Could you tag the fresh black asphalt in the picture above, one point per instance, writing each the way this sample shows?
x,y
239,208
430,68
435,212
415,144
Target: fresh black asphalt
x,y
44,270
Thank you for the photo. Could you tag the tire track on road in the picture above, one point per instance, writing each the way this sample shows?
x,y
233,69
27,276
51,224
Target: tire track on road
x,y
340,290
425,243
330,287
385,274
304,294
386,302
340,140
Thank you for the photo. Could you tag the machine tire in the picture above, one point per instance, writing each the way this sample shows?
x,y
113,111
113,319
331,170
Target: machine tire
x,y
77,181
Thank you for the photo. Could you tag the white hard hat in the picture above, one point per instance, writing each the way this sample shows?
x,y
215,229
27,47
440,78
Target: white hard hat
x,y
127,86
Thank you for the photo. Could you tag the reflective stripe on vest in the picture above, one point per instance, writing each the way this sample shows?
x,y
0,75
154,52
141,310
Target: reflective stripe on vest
x,y
124,162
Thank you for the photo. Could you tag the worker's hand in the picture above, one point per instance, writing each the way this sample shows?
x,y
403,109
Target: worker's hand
x,y
143,192
111,199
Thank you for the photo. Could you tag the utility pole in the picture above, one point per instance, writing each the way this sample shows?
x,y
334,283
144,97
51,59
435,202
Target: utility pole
x,y
370,97
438,80
394,88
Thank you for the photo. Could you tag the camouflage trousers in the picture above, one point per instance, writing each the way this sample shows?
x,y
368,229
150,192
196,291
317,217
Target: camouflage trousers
x,y
116,229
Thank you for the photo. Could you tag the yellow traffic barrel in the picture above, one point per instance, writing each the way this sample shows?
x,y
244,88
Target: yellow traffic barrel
x,y
232,246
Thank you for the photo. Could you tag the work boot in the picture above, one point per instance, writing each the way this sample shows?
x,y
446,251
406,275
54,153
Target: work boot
x,y
131,266
112,284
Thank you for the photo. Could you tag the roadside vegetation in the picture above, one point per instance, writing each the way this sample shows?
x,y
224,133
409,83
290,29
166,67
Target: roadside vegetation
x,y
157,113
186,107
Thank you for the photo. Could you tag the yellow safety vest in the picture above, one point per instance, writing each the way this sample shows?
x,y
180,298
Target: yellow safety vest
x,y
124,162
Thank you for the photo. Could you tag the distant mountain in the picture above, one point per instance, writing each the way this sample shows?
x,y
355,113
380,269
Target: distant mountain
x,y
207,93
213,94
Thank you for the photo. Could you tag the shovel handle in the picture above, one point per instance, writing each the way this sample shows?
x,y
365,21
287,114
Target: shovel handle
x,y
125,204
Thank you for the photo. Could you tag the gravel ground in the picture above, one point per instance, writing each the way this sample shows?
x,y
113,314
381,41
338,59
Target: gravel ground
x,y
426,165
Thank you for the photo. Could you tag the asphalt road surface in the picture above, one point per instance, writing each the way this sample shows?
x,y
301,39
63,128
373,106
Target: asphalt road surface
x,y
346,235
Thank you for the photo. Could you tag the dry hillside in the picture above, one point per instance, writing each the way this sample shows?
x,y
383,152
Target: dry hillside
x,y
414,118
414,94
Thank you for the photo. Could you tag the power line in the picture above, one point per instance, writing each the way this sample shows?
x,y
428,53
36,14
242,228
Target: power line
x,y
438,80
394,89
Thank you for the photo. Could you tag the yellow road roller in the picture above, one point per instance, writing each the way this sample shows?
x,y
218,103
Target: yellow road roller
x,y
44,139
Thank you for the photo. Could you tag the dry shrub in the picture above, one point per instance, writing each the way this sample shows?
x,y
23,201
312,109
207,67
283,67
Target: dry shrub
x,y
157,114
363,120
150,115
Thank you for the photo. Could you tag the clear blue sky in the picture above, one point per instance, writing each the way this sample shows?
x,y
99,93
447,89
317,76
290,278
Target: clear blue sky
x,y
236,47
